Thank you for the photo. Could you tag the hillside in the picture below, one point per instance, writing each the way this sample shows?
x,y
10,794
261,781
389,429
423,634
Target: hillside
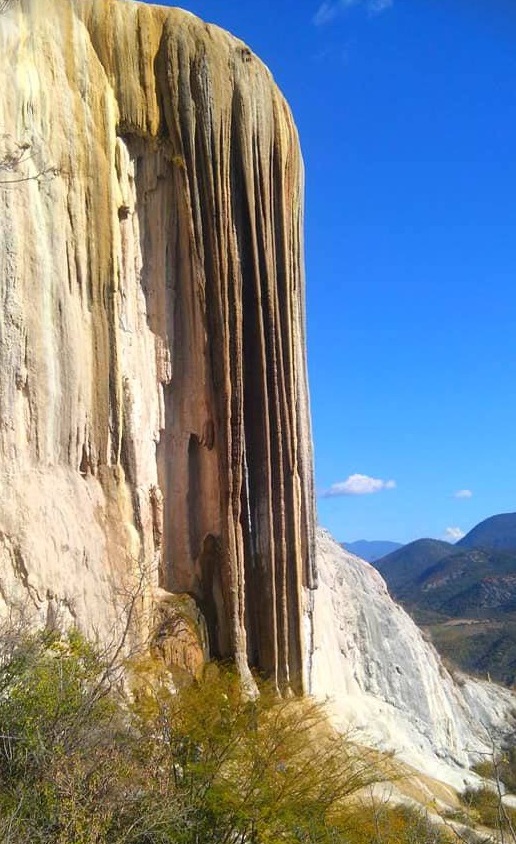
x,y
404,566
495,532
483,648
473,583
465,596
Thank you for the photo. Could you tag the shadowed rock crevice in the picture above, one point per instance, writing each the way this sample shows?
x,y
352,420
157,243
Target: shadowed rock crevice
x,y
212,598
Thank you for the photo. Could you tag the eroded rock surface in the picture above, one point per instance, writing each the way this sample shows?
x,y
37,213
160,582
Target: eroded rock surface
x,y
154,425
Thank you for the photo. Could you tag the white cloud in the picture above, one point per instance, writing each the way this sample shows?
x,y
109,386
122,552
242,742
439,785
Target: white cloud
x,y
331,9
376,7
326,13
453,534
358,485
463,493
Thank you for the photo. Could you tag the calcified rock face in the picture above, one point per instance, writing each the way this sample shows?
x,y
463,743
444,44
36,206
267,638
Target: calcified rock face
x,y
154,425
385,680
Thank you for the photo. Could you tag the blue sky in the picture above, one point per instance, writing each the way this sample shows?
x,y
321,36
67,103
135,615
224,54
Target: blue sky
x,y
407,115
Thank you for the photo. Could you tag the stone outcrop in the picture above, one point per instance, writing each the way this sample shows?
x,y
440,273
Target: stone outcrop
x,y
154,424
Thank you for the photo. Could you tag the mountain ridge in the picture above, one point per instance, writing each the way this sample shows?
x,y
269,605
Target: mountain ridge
x,y
496,532
408,563
371,549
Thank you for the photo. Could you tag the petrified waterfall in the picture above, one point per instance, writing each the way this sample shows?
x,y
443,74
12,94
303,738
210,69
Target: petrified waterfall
x,y
153,400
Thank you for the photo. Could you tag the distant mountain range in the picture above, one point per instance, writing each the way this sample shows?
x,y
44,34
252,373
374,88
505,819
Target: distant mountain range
x,y
403,568
463,594
445,580
495,532
371,550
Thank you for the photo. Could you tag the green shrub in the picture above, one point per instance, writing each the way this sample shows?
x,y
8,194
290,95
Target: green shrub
x,y
82,763
58,719
508,769
501,766
488,809
263,770
398,824
485,768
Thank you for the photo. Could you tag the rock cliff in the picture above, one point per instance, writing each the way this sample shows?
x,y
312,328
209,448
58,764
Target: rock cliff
x,y
154,424
155,448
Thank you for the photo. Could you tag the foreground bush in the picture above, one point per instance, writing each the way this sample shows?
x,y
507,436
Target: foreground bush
x,y
488,809
398,824
262,770
500,766
83,763
63,751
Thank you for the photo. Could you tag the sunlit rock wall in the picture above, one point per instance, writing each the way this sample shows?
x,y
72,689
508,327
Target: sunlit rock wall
x,y
384,680
154,424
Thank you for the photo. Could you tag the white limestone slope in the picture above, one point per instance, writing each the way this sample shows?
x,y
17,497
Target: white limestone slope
x,y
387,682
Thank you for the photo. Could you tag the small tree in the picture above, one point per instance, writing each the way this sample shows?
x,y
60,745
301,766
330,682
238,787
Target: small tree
x,y
58,719
253,771
12,169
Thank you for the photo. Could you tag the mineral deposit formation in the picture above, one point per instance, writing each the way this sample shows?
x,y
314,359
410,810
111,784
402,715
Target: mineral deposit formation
x,y
154,423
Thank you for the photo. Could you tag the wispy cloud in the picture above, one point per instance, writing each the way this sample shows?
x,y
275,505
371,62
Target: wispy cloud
x,y
453,534
325,13
376,7
329,10
463,493
358,485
